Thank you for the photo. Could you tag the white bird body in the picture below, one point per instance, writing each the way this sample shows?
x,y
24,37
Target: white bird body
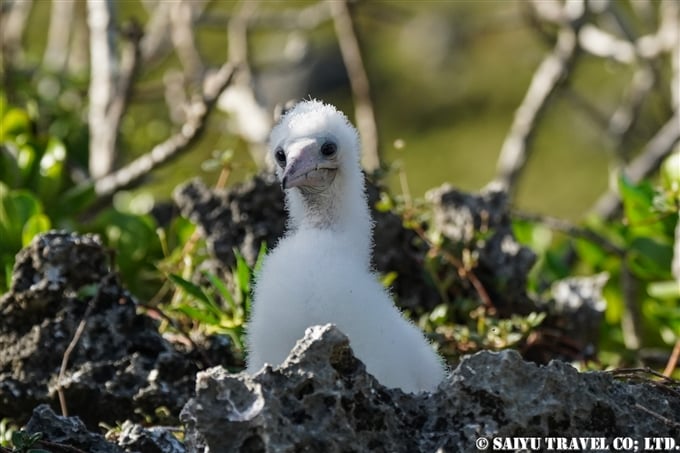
x,y
319,272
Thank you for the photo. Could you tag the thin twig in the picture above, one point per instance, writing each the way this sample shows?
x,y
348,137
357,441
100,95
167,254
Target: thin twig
x,y
363,106
55,447
673,360
181,331
665,383
463,272
74,341
656,415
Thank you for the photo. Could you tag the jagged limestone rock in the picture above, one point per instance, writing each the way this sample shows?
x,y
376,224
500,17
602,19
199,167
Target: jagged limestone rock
x,y
322,399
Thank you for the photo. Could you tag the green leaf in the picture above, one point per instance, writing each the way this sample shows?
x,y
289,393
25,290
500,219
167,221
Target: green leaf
x,y
242,274
670,171
637,200
207,302
16,207
14,122
189,288
76,199
222,289
51,174
650,258
9,170
26,161
261,254
36,224
198,315
664,290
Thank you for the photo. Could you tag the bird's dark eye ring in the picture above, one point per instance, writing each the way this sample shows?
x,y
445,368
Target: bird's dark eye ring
x,y
328,149
280,156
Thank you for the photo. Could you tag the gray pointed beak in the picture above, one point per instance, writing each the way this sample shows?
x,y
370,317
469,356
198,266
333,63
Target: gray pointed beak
x,y
307,168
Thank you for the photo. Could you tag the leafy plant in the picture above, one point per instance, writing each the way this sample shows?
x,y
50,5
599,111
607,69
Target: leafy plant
x,y
24,442
636,251
215,307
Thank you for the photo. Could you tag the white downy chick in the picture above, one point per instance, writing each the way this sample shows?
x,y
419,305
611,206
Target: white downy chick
x,y
320,271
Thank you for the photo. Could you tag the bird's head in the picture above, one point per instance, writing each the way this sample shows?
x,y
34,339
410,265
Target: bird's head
x,y
313,145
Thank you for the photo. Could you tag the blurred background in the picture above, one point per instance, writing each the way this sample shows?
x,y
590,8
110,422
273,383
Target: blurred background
x,y
570,105
446,78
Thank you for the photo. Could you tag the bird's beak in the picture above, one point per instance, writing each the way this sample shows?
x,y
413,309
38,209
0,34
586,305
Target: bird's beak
x,y
307,168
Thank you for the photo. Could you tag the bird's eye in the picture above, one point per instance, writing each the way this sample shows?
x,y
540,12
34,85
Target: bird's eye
x,y
328,149
280,156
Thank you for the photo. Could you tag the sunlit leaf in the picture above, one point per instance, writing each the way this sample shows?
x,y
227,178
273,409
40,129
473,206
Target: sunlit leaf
x,y
36,224
189,287
14,122
637,200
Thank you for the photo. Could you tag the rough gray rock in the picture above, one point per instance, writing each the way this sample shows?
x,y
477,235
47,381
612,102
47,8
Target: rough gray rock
x,y
242,217
121,362
322,399
136,438
481,224
66,433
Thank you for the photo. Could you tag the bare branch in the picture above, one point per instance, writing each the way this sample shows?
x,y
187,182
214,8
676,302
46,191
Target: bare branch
x,y
626,115
307,18
155,44
103,74
247,117
182,20
598,42
351,54
670,11
547,78
13,25
197,114
56,55
649,160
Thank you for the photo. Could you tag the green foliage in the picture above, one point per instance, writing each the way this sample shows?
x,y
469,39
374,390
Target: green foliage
x,y
214,306
7,428
637,249
482,330
37,194
24,442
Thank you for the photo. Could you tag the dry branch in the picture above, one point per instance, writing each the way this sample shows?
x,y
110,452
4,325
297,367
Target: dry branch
x,y
363,106
103,75
197,114
13,25
58,36
548,77
182,21
649,161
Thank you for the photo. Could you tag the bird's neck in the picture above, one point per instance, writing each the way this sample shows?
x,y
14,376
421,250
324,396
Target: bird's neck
x,y
345,214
